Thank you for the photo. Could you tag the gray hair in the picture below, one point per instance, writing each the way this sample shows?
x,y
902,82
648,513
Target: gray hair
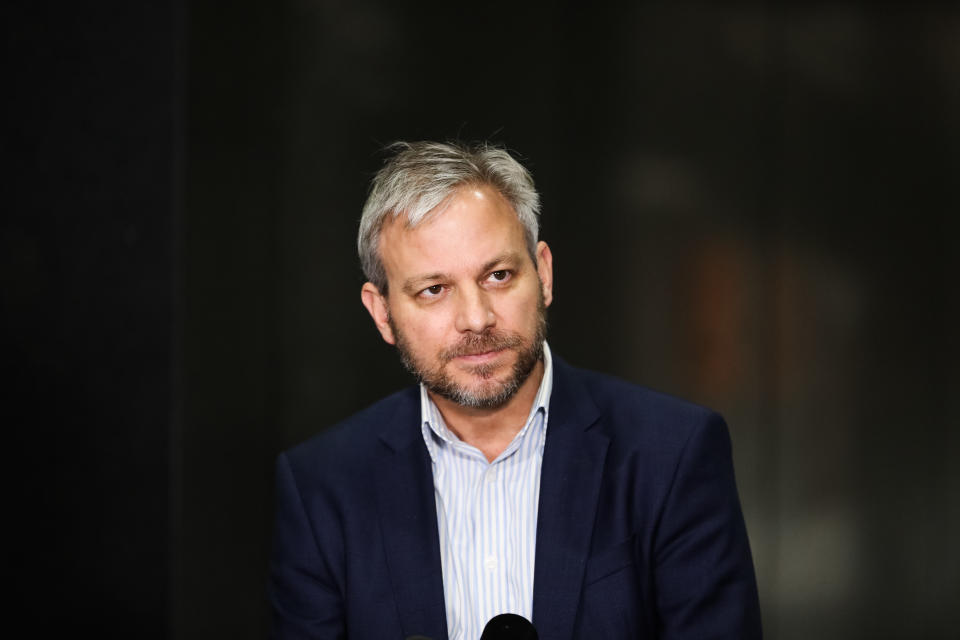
x,y
418,181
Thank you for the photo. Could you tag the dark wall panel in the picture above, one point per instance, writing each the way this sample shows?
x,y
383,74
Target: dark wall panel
x,y
87,313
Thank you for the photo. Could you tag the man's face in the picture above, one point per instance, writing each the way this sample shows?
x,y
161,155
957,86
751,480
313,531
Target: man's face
x,y
466,305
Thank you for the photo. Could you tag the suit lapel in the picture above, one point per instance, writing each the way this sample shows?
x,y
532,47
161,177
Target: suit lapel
x,y
569,487
408,518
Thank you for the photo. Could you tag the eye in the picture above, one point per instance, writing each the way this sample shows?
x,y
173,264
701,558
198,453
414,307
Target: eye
x,y
501,275
432,291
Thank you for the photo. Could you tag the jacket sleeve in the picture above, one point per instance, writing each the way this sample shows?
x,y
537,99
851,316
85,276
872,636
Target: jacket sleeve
x,y
704,579
304,588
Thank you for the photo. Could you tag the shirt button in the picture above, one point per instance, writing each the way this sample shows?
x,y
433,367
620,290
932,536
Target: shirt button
x,y
490,562
491,476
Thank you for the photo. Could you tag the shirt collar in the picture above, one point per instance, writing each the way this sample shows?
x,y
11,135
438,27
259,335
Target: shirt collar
x,y
435,429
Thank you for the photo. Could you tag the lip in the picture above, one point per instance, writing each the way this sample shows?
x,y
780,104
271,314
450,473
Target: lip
x,y
479,358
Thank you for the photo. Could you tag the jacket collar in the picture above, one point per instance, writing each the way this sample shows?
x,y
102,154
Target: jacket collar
x,y
408,520
569,489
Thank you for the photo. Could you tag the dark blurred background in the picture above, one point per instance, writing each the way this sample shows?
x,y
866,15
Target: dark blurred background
x,y
754,207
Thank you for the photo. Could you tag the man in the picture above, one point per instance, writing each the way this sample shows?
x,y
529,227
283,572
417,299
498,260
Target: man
x,y
508,481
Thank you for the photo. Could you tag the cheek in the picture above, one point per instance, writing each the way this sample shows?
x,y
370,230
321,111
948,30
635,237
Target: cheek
x,y
521,313
424,329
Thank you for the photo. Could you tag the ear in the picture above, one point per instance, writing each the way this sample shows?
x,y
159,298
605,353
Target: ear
x,y
545,271
376,305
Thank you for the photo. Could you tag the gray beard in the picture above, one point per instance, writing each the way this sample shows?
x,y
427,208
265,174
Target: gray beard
x,y
490,396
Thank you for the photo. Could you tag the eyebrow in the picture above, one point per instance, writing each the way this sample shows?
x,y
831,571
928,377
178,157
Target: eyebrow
x,y
510,257
414,284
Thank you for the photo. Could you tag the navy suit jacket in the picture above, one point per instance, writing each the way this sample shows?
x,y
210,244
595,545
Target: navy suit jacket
x,y
639,533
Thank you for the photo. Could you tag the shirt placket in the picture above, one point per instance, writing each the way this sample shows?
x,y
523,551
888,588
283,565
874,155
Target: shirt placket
x,y
489,558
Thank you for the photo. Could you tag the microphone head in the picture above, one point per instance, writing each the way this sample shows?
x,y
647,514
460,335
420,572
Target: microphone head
x,y
509,626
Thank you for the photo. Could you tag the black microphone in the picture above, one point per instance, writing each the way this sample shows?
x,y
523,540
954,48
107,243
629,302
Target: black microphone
x,y
509,626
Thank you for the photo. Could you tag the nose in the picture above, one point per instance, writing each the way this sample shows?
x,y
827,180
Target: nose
x,y
474,313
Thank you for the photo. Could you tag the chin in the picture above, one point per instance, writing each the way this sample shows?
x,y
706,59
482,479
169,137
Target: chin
x,y
490,392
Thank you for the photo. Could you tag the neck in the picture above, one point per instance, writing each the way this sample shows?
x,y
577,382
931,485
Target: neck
x,y
492,430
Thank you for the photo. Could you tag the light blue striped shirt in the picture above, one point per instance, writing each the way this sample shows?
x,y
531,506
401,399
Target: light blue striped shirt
x,y
487,516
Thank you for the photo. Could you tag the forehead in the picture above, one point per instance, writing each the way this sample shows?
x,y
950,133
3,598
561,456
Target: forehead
x,y
474,225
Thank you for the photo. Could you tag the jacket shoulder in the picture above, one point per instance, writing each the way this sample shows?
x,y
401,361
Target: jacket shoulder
x,y
632,413
350,443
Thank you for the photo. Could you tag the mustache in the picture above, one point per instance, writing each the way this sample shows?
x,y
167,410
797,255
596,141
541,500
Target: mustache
x,y
475,343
